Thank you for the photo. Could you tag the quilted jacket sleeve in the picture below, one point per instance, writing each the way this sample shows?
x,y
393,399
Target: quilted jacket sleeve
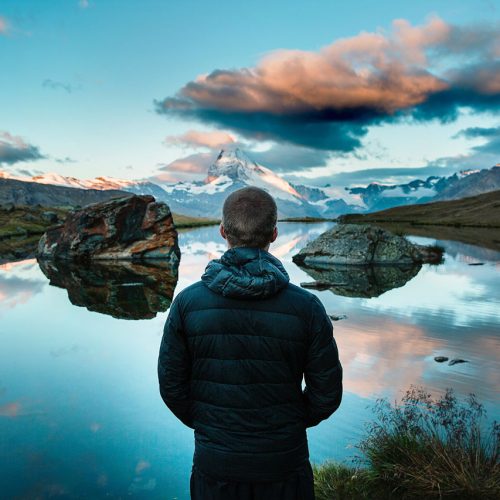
x,y
174,367
323,371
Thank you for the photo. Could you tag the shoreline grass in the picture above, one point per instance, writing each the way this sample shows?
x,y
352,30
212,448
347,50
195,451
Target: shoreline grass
x,y
422,447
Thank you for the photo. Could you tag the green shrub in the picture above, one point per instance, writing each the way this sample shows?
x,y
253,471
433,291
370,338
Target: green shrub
x,y
433,447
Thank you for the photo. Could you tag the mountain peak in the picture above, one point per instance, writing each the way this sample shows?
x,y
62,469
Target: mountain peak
x,y
232,163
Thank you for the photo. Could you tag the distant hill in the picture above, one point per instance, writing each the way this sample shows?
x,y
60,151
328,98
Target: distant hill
x,y
479,211
17,193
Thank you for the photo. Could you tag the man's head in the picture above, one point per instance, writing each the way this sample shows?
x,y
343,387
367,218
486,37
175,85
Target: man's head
x,y
249,218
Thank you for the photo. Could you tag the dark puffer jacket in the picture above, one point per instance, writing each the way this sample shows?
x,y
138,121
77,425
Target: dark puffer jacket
x,y
235,349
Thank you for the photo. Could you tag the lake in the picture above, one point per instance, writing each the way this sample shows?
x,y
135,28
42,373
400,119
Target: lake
x,y
80,411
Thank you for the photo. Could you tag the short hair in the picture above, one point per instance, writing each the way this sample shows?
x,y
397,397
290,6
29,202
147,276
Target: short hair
x,y
249,217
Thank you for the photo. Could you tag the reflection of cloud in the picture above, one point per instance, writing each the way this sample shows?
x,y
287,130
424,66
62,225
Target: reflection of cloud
x,y
4,26
11,409
95,427
15,290
382,354
63,351
141,466
454,295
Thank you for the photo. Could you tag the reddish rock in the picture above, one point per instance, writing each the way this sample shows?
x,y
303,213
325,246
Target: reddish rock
x,y
127,228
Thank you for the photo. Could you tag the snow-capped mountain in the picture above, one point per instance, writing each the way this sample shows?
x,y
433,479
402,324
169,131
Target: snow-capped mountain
x,y
233,169
465,183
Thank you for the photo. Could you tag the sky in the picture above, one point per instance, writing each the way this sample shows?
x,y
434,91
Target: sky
x,y
319,91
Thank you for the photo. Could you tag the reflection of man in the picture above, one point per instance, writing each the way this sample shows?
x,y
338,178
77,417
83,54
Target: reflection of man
x,y
235,348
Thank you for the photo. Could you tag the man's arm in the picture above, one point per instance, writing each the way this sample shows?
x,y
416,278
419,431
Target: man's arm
x,y
174,367
323,371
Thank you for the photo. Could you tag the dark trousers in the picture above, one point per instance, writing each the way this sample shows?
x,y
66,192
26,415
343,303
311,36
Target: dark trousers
x,y
299,485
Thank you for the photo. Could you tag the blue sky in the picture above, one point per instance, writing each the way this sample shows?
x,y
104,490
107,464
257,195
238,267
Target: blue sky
x,y
87,87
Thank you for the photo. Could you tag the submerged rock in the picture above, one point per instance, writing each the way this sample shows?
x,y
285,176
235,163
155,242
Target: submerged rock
x,y
360,281
357,244
125,290
127,228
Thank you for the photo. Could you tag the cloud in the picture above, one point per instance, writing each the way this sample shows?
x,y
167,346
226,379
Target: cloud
x,y
365,176
195,138
4,26
328,99
482,155
188,168
83,4
14,149
55,85
288,158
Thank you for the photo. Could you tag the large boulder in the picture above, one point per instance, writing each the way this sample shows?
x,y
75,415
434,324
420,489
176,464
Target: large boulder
x,y
126,228
356,244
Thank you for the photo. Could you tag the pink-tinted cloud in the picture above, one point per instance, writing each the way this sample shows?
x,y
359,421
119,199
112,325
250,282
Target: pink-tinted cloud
x,y
196,138
4,26
11,409
188,168
327,99
14,149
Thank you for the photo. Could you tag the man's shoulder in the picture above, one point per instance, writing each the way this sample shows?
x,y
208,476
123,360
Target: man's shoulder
x,y
196,288
299,293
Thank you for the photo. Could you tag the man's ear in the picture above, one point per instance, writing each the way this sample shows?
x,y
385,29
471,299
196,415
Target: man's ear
x,y
222,232
275,234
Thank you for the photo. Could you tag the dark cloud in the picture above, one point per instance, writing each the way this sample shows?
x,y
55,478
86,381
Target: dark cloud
x,y
54,85
288,158
14,149
66,159
328,99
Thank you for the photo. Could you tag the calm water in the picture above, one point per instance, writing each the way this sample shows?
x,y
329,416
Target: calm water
x,y
80,412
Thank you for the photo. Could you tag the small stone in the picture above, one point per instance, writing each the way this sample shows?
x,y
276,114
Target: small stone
x,y
441,359
337,318
50,217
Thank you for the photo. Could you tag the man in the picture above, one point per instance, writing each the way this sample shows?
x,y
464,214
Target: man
x,y
235,349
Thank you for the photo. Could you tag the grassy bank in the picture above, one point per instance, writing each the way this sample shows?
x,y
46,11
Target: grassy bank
x,y
477,211
186,221
422,447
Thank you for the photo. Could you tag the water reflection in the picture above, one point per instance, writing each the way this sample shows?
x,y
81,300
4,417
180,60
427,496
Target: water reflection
x,y
361,281
125,290
80,413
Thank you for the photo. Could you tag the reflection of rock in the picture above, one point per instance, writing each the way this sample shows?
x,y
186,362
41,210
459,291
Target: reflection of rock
x,y
128,228
362,281
356,244
120,289
457,361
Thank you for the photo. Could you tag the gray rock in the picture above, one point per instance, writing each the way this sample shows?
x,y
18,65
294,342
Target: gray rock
x,y
361,244
50,217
